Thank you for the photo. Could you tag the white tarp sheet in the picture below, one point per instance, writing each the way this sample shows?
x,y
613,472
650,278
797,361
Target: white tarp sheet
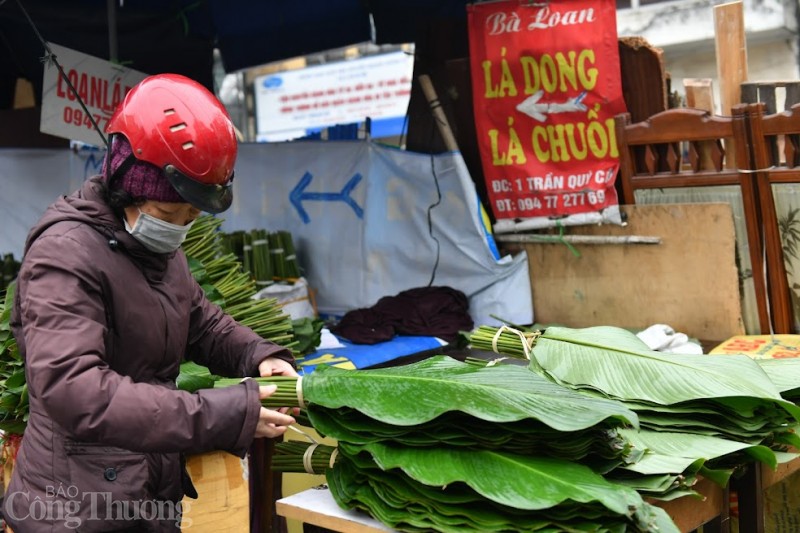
x,y
358,213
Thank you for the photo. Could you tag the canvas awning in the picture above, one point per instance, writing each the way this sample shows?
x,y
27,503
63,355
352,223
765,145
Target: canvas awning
x,y
180,35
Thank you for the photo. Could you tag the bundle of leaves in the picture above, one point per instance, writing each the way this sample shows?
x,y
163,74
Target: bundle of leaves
x,y
227,284
728,398
441,401
478,425
13,387
456,489
673,461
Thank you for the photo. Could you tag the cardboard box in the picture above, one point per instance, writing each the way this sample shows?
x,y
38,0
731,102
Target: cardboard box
x,y
760,346
223,502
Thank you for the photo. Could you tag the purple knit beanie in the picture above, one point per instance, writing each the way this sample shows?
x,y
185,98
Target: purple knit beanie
x,y
142,179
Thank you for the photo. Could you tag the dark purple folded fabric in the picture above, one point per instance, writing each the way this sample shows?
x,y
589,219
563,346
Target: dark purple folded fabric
x,y
433,311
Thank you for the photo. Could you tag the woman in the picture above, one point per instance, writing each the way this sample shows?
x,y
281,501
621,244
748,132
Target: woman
x,y
105,311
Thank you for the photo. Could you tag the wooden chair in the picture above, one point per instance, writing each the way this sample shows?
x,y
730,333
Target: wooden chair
x,y
775,159
652,157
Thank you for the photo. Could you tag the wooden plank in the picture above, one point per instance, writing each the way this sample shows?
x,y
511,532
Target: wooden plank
x,y
689,513
699,93
731,49
771,477
689,281
644,79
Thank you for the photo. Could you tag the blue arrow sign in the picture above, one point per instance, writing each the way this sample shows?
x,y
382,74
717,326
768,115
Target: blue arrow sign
x,y
298,194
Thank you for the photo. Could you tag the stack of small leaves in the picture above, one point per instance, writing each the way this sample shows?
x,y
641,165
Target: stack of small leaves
x,y
8,271
226,283
448,446
13,387
704,414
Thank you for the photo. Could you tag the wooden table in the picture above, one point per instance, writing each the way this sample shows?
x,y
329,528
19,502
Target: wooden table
x,y
711,512
751,488
317,507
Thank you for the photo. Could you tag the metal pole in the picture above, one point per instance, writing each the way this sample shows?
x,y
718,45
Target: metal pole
x,y
578,239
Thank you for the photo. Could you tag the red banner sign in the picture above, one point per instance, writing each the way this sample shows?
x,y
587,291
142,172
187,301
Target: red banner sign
x,y
546,87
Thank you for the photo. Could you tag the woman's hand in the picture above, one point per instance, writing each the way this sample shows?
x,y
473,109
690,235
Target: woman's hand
x,y
273,366
271,423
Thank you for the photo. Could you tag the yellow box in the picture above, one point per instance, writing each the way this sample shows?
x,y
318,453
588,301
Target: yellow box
x,y
760,346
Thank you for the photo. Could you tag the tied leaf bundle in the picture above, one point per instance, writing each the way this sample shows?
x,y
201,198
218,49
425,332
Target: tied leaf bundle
x,y
307,457
267,256
455,490
227,284
388,422
722,404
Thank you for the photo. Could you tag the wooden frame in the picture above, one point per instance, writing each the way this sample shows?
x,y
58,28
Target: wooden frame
x,y
652,157
770,166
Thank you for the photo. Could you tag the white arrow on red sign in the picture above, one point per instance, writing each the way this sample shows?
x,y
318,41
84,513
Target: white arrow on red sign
x,y
539,111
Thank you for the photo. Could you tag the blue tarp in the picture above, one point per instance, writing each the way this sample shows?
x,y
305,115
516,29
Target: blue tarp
x,y
365,355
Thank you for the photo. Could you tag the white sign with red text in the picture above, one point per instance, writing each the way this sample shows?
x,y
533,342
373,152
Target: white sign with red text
x,y
290,103
100,84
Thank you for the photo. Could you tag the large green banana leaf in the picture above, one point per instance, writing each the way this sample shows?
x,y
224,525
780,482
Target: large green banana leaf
x,y
413,394
616,362
528,437
784,373
406,505
520,482
677,452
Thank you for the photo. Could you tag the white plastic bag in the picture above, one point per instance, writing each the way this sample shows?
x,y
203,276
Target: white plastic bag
x,y
295,298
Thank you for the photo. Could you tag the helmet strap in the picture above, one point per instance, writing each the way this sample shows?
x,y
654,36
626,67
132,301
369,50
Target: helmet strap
x,y
120,170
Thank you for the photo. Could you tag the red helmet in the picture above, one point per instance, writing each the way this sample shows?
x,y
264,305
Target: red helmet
x,y
178,125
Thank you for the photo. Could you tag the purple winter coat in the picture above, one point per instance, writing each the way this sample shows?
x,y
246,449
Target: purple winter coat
x,y
103,329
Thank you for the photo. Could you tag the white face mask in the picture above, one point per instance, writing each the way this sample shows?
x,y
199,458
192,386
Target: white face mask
x,y
158,235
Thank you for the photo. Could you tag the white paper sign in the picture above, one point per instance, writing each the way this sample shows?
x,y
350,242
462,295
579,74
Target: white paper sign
x,y
101,85
292,102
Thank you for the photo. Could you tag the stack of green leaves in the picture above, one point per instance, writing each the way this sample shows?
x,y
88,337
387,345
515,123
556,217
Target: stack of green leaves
x,y
476,423
13,387
8,271
227,284
723,397
673,461
456,489
441,400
